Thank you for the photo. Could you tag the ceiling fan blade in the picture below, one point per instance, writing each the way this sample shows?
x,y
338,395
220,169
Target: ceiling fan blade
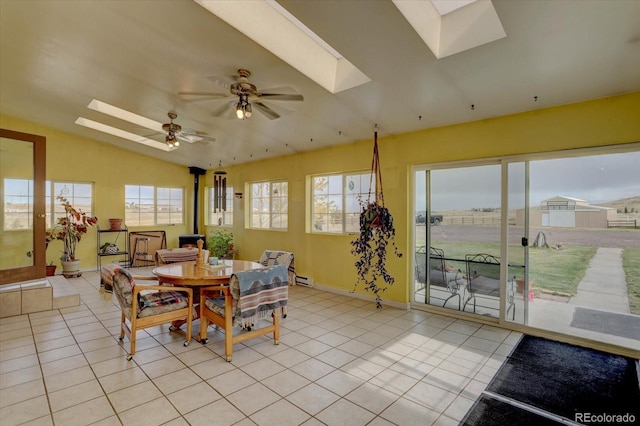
x,y
223,81
281,97
194,137
228,110
268,112
284,93
203,96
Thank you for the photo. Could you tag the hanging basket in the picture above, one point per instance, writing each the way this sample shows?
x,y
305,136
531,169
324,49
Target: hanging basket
x,y
376,233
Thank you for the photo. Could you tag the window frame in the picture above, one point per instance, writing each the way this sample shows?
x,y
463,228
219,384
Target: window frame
x,y
270,214
154,202
53,208
348,214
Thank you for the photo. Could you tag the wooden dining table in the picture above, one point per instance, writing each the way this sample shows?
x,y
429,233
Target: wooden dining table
x,y
188,274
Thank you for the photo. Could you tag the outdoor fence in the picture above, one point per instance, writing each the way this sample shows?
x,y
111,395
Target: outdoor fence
x,y
471,220
633,223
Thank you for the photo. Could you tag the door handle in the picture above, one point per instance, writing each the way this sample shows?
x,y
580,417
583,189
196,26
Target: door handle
x,y
41,216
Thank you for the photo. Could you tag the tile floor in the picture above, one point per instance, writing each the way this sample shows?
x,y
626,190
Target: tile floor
x,y
340,362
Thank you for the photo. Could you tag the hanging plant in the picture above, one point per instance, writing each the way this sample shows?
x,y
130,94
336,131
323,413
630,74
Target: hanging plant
x,y
376,233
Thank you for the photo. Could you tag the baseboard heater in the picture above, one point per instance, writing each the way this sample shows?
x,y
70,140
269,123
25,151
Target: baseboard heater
x,y
304,281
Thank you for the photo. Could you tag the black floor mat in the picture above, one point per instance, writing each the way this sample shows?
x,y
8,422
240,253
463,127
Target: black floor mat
x,y
564,379
623,325
488,411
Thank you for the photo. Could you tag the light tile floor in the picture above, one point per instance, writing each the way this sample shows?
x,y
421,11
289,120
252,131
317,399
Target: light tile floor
x,y
340,362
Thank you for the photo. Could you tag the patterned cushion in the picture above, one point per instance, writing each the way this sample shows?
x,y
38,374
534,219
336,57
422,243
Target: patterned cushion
x,y
277,257
160,301
123,289
216,305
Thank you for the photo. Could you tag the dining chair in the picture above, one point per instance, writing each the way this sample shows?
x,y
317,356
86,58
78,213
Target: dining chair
x,y
250,297
154,304
277,257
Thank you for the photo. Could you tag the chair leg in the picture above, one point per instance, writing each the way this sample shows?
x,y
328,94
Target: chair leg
x,y
276,328
123,323
189,325
133,338
228,337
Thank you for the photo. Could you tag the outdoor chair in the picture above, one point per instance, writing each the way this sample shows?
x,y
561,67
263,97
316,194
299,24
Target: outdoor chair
x,y
440,274
483,273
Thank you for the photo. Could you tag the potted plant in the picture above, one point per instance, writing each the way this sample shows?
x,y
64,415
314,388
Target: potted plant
x,y
376,233
220,244
69,229
51,267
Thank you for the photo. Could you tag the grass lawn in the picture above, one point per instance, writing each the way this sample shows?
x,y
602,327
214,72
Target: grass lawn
x,y
559,270
554,270
631,265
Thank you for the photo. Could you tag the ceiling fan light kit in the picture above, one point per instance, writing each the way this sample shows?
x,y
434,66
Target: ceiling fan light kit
x,y
248,97
243,108
171,128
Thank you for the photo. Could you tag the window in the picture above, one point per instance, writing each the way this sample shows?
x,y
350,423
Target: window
x,y
336,201
18,204
148,205
220,218
168,206
269,205
78,194
18,201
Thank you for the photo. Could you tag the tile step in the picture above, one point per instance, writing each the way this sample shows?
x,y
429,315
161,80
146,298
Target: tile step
x,y
65,295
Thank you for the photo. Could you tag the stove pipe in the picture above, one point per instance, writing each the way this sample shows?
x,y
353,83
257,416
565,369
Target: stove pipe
x,y
196,172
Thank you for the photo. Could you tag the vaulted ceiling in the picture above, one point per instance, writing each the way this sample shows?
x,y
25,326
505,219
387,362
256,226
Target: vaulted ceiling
x,y
57,56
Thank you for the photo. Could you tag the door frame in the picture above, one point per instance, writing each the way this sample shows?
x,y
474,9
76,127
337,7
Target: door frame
x,y
37,270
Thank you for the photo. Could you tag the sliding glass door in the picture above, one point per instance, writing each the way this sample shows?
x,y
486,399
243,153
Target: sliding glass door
x,y
458,234
551,242
585,246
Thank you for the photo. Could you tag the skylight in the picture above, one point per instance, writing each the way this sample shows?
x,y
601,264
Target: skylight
x,y
122,134
271,26
452,26
447,6
125,115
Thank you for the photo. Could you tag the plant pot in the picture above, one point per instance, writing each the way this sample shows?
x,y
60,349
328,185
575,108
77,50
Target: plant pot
x,y
51,270
71,268
520,285
115,224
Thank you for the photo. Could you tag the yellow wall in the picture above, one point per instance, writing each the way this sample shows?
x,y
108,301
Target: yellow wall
x,y
327,258
77,159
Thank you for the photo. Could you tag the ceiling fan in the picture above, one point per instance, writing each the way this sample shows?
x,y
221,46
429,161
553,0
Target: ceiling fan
x,y
248,97
174,133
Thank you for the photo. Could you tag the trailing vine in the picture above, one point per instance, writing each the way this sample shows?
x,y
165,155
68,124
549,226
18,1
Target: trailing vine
x,y
376,233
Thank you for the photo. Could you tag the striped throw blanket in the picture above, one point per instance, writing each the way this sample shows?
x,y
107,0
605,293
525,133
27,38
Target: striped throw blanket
x,y
184,254
261,292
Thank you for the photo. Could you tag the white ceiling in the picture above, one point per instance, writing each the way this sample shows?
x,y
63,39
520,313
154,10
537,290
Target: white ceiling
x,y
56,56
